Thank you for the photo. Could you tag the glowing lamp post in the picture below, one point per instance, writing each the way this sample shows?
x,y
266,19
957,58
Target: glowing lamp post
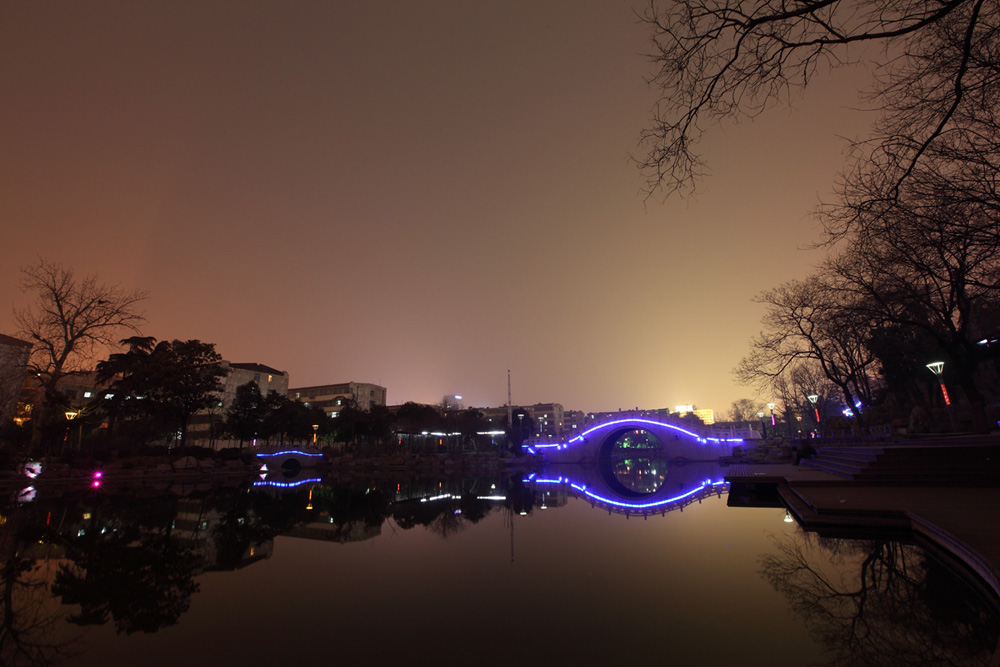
x,y
315,429
770,406
812,399
763,427
70,416
937,367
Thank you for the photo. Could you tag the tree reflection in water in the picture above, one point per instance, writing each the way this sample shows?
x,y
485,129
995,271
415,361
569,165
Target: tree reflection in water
x,y
143,587
878,602
28,618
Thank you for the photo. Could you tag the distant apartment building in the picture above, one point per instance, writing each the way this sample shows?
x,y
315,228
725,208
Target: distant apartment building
x,y
206,426
332,397
495,417
14,355
574,421
270,380
548,419
80,389
706,416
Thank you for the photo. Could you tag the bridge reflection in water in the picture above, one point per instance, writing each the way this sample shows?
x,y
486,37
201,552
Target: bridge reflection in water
x,y
672,487
638,464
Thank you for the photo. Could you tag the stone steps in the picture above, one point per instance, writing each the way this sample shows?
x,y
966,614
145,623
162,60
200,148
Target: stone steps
x,y
964,463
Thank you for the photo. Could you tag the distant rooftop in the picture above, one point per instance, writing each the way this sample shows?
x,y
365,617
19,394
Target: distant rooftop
x,y
10,340
257,368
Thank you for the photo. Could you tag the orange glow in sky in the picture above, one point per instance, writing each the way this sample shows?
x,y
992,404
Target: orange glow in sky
x,y
418,194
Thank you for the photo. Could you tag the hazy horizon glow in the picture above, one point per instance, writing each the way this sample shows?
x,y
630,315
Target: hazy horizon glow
x,y
419,195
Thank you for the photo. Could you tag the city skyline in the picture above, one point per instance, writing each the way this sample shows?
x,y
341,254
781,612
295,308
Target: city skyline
x,y
419,196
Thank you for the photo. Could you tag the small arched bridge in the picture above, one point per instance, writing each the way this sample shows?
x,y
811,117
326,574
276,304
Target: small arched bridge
x,y
289,459
673,440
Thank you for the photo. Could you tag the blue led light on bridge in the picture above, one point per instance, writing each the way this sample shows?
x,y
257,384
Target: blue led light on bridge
x,y
633,420
288,485
674,441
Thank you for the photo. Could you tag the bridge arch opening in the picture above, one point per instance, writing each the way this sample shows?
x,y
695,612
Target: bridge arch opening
x,y
633,461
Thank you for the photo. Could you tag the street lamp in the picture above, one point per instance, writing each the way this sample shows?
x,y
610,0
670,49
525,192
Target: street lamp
x,y
937,367
315,429
770,406
70,416
812,399
763,428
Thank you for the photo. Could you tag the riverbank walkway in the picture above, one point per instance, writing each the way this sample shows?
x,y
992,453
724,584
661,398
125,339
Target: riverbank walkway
x,y
944,494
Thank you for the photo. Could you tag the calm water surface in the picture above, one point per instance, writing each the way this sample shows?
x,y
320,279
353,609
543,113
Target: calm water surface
x,y
486,571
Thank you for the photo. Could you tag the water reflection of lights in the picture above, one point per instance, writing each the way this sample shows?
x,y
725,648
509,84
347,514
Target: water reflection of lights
x,y
287,452
640,474
451,496
707,485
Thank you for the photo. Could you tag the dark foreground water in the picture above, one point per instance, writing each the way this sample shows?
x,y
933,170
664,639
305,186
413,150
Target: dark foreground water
x,y
453,571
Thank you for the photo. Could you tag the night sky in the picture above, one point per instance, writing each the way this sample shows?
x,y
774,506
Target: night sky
x,y
418,194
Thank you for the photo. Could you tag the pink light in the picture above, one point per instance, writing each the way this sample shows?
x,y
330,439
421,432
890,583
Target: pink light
x,y
96,484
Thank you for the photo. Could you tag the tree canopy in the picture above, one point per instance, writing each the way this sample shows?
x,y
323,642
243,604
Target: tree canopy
x,y
167,383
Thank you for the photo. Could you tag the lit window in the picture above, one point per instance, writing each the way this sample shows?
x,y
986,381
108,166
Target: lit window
x,y
269,378
86,394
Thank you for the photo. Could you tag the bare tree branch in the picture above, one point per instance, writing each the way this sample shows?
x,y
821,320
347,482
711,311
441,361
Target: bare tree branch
x,y
730,59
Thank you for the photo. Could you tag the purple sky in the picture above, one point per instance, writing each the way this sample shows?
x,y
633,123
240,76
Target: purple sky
x,y
418,194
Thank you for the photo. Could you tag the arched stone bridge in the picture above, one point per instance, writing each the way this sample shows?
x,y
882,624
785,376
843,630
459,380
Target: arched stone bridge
x,y
289,459
678,440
